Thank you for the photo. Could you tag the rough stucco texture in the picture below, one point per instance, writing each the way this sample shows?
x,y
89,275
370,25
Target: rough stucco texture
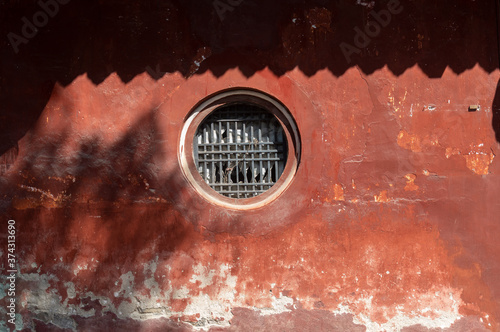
x,y
391,222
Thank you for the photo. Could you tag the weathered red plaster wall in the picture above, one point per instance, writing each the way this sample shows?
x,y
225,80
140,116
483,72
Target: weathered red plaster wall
x,y
391,223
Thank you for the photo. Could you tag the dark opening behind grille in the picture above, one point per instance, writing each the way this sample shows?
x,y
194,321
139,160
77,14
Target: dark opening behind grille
x,y
240,150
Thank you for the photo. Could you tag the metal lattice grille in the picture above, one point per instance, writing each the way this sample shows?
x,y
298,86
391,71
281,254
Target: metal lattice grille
x,y
240,150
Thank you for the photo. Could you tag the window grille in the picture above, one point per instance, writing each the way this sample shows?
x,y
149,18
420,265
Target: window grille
x,y
240,150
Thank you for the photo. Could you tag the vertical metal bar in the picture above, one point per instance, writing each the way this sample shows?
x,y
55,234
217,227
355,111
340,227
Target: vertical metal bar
x,y
264,156
236,168
221,171
245,148
228,138
268,138
281,151
260,157
212,136
212,153
276,172
204,157
252,156
229,170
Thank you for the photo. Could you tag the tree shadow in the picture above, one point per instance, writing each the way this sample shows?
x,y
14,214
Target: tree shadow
x,y
89,212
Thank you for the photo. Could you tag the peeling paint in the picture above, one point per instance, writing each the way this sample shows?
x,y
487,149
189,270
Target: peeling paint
x,y
409,142
426,309
410,182
479,162
382,197
339,192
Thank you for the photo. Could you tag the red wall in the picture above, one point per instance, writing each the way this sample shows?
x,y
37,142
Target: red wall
x,y
391,222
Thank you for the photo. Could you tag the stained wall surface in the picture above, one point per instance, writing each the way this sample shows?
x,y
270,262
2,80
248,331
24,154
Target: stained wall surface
x,y
390,224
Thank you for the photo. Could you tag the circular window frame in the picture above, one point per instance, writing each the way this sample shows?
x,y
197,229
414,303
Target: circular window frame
x,y
224,98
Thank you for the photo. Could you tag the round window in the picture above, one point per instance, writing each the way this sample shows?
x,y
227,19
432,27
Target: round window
x,y
240,148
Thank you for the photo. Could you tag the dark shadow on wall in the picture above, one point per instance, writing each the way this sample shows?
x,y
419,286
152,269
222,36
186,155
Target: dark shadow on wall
x,y
63,170
495,108
96,38
105,204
